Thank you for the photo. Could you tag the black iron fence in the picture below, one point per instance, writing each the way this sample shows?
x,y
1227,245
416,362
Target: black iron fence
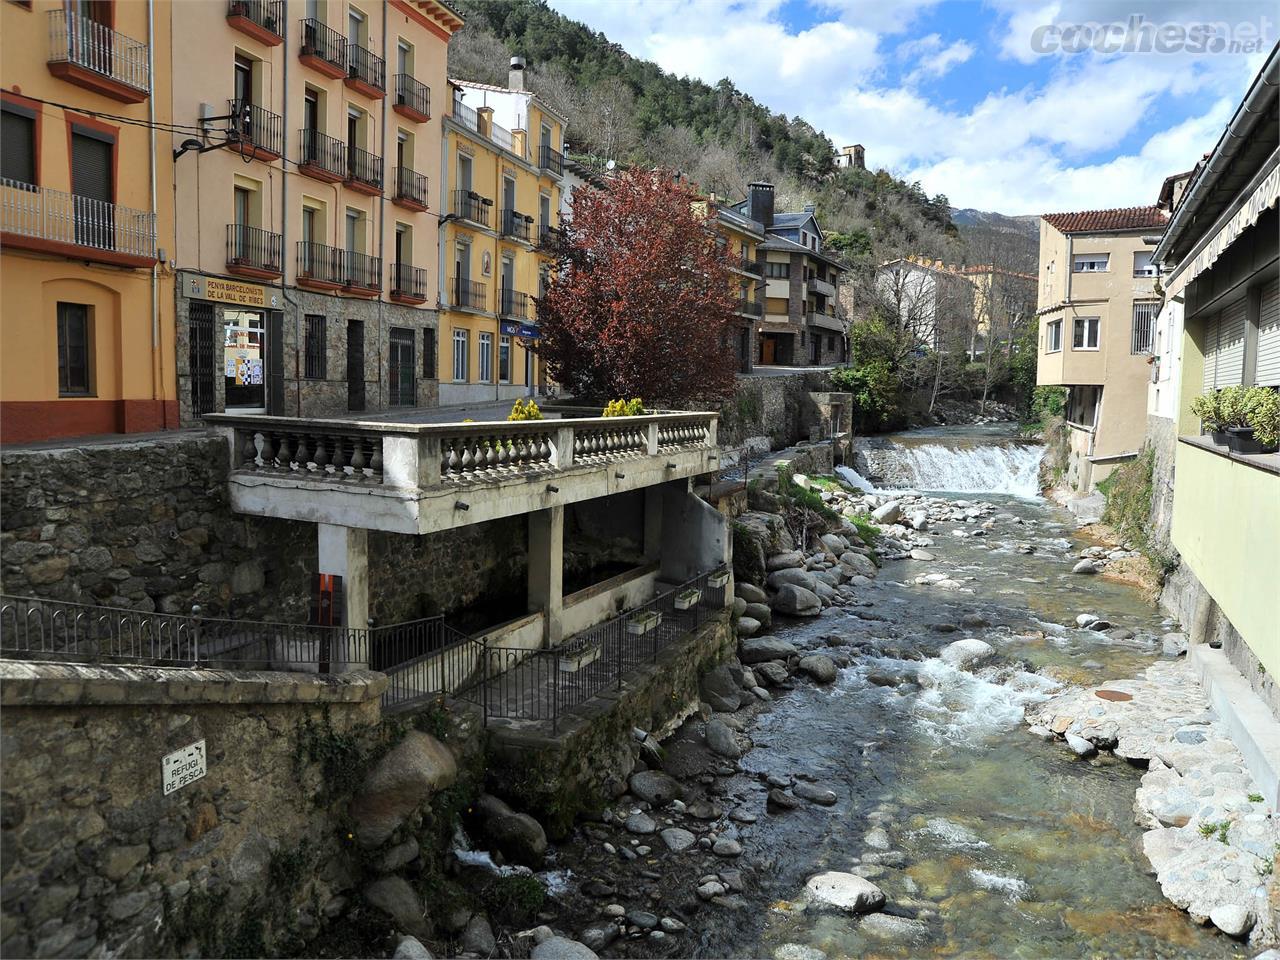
x,y
520,684
408,281
423,659
363,272
410,185
366,66
552,160
321,154
413,94
364,167
268,14
517,225
469,205
254,247
323,43
255,126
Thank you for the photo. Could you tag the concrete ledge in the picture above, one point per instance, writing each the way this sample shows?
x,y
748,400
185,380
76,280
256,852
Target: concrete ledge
x,y
1253,728
41,684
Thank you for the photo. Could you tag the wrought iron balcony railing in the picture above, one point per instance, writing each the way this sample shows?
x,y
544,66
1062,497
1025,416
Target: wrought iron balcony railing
x,y
267,14
325,44
551,160
468,293
364,167
319,154
469,205
76,41
320,264
465,115
408,281
363,65
410,185
259,128
415,97
254,248
515,305
363,272
32,216
517,226
752,308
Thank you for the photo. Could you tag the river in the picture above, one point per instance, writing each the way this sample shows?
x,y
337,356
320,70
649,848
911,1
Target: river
x,y
986,840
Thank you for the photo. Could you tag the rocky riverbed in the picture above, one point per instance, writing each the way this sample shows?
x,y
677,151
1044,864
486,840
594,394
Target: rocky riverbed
x,y
862,780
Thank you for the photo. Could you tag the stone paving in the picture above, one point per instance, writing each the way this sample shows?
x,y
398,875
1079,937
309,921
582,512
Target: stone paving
x,y
1211,839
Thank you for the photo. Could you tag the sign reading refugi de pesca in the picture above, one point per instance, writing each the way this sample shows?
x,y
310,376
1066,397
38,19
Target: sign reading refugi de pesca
x,y
183,767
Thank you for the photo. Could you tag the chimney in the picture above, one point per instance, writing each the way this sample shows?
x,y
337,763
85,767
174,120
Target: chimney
x,y
515,74
809,208
761,203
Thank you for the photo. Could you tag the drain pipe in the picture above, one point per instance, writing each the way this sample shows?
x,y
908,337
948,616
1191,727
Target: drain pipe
x,y
284,228
157,354
382,213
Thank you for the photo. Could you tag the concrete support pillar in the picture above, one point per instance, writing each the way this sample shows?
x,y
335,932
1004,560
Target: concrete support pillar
x,y
546,571
652,523
344,551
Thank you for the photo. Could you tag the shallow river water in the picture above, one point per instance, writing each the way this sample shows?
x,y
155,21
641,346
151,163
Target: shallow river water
x,y
996,844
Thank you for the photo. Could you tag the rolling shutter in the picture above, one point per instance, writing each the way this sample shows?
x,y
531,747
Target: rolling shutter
x,y
1211,328
91,167
18,141
1268,374
1232,325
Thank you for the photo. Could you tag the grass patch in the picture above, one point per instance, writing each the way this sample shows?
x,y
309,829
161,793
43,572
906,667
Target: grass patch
x,y
1128,491
1255,798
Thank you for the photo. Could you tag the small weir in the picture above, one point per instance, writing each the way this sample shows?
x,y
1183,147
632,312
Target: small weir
x,y
958,461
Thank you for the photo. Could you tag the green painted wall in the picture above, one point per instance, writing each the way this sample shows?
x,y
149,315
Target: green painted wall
x,y
1226,526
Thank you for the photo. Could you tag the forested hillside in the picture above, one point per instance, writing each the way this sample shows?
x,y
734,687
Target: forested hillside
x,y
632,111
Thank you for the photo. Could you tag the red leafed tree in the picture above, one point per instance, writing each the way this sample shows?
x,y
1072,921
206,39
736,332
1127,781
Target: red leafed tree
x,y
641,303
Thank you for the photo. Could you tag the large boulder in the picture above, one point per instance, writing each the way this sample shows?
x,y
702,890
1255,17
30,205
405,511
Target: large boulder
x,y
820,668
750,593
772,672
759,611
721,740
785,561
967,653
845,891
857,564
888,513
655,787
562,948
834,544
720,690
761,649
517,836
417,768
797,601
792,577
748,626
394,897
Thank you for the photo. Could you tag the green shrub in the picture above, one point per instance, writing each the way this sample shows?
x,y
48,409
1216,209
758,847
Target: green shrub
x,y
1047,402
1264,416
524,410
1128,491
624,408
1209,410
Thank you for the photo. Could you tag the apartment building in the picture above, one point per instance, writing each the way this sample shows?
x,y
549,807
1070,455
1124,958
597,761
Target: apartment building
x,y
802,323
741,237
86,199
1220,260
927,297
1002,301
307,242
1097,307
500,187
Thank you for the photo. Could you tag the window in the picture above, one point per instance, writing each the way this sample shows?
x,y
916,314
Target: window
x,y
18,143
315,349
486,358
1084,334
404,57
1091,262
1053,336
1142,265
73,350
355,27
461,356
355,231
777,271
311,112
464,172
1082,405
1144,323
504,359
429,354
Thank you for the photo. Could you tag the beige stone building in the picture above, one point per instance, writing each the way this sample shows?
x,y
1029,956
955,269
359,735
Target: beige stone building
x,y
1097,307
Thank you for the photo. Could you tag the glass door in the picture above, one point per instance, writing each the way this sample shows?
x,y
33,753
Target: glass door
x,y
244,355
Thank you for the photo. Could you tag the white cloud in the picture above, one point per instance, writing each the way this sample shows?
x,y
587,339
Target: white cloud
x,y
932,56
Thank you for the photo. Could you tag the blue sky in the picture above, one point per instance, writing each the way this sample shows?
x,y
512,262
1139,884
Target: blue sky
x,y
955,93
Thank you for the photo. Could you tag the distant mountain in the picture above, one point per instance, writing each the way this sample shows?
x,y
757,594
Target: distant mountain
x,y
1012,241
1028,224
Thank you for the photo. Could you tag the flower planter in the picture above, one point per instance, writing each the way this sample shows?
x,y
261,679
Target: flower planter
x,y
1219,437
642,623
688,599
1240,440
718,579
574,660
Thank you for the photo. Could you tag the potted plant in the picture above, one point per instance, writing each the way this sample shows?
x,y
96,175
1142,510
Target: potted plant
x,y
718,579
638,624
1237,403
688,599
576,655
1262,414
1208,408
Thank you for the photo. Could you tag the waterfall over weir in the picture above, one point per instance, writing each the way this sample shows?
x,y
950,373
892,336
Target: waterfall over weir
x,y
938,462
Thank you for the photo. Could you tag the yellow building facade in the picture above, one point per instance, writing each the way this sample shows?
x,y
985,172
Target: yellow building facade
x,y
500,192
86,205
741,237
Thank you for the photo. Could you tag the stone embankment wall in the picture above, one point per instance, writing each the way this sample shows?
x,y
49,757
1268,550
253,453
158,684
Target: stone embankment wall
x,y
1162,438
587,765
147,525
779,408
98,861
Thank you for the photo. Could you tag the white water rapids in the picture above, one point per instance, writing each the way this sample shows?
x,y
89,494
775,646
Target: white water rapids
x,y
990,468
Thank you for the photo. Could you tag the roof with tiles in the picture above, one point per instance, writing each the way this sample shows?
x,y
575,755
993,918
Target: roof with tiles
x,y
1108,221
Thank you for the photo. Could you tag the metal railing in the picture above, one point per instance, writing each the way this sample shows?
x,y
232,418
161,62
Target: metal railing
x,y
410,185
363,272
468,293
423,659
256,126
520,684
408,281
77,40
322,152
254,247
364,167
546,234
751,266
552,160
324,43
413,94
501,136
751,308
517,225
319,262
27,210
465,115
469,205
514,304
268,14
364,65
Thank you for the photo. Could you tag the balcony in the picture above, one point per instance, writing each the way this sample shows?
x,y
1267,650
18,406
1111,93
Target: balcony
x,y
502,137
750,308
413,99
823,287
261,19
255,133
517,226
51,221
748,265
551,160
254,252
546,236
320,267
364,171
514,305
469,205
468,294
320,157
363,274
92,55
323,50
408,284
410,189
824,321
465,115
366,73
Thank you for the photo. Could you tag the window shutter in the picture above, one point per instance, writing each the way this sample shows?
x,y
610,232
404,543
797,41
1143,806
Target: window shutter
x,y
18,142
91,167
1268,374
1210,352
1231,332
